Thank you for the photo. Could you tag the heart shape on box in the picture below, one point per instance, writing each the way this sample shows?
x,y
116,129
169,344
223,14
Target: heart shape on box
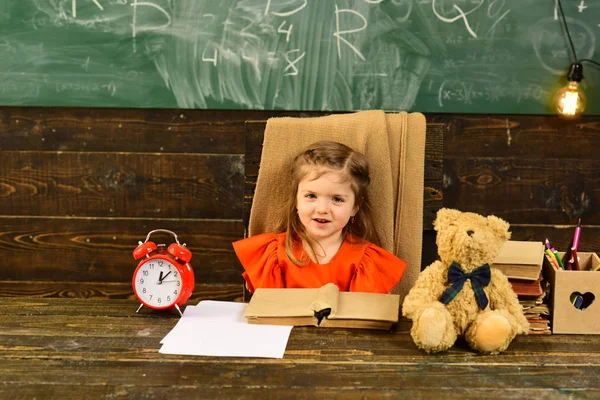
x,y
582,301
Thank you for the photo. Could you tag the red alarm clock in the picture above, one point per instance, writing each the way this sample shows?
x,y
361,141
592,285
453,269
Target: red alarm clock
x,y
164,278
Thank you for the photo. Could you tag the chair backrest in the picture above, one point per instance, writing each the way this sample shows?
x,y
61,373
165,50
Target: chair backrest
x,y
434,174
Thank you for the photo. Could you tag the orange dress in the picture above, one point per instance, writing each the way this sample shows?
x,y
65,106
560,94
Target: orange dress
x,y
356,267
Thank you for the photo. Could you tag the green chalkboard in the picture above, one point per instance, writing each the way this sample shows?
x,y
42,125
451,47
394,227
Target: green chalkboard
x,y
473,56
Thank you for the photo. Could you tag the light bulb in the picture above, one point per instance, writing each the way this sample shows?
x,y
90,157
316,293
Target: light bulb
x,y
570,101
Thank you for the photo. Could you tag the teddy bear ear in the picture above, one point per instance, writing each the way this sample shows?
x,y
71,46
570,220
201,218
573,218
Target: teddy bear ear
x,y
444,217
499,226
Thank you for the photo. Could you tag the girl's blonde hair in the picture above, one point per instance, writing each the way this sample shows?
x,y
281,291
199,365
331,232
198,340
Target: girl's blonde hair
x,y
322,157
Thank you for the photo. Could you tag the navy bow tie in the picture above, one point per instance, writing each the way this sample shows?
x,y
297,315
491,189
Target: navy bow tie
x,y
480,278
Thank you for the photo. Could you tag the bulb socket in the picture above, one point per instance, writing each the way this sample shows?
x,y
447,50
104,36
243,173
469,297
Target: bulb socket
x,y
575,72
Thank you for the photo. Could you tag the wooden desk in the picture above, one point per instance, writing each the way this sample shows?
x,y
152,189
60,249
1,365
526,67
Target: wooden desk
x,y
78,348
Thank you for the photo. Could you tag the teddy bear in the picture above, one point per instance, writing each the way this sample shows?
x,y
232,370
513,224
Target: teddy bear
x,y
460,294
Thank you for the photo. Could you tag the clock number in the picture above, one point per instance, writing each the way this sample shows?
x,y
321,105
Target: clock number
x,y
159,300
175,274
168,298
175,292
160,263
178,283
145,272
144,290
151,265
141,281
151,296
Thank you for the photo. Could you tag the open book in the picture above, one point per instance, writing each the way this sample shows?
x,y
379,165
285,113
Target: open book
x,y
325,307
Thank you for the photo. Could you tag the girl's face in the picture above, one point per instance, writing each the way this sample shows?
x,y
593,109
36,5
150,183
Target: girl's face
x,y
325,204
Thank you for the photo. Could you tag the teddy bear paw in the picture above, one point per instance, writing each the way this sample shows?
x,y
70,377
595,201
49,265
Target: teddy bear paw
x,y
433,331
431,328
493,334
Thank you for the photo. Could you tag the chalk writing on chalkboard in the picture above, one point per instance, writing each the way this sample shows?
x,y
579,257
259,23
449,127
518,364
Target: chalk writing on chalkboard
x,y
477,56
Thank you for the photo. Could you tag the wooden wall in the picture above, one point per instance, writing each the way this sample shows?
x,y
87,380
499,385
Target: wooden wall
x,y
80,187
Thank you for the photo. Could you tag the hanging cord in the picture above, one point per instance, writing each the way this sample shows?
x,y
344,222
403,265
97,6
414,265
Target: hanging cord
x,y
562,13
590,61
564,19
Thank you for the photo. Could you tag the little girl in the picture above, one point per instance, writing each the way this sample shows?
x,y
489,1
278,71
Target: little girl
x,y
326,233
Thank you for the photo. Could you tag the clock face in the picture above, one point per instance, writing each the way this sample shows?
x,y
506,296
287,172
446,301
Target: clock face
x,y
158,283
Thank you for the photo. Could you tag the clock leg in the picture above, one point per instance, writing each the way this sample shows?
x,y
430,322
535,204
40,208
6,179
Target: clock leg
x,y
177,307
139,308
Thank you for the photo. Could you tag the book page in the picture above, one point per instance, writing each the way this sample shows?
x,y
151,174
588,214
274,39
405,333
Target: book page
x,y
281,303
326,297
368,306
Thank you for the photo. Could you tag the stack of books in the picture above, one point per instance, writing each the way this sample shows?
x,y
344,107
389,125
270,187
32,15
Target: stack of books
x,y
522,263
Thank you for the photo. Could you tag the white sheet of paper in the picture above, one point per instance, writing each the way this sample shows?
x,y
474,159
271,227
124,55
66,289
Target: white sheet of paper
x,y
220,310
214,310
216,328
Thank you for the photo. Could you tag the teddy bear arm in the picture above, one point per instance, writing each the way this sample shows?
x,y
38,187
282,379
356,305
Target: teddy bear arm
x,y
426,290
502,297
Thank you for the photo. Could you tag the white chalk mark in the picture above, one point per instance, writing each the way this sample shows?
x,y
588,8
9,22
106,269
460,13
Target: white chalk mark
x,y
213,59
555,10
74,7
461,14
137,4
292,63
134,26
373,1
254,62
112,88
373,74
288,32
287,13
582,6
440,94
338,34
496,23
408,12
272,58
248,34
86,64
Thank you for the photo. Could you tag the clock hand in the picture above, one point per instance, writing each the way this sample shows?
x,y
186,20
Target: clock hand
x,y
163,277
160,277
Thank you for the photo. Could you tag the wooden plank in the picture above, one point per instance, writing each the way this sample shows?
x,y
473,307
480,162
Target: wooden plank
x,y
123,130
308,375
434,149
99,249
121,184
128,130
559,236
76,391
525,136
110,290
525,191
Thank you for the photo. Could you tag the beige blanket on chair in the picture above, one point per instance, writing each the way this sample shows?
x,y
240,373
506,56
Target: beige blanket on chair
x,y
394,145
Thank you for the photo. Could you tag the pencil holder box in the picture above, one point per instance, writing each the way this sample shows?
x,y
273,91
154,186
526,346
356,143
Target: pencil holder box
x,y
575,296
